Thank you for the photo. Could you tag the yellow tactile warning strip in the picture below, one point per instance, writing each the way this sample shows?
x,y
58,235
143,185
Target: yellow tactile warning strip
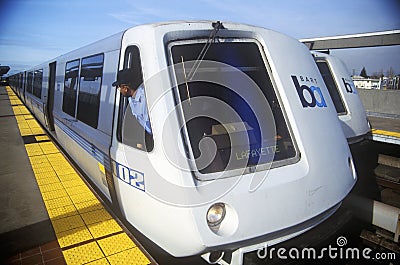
x,y
86,232
386,133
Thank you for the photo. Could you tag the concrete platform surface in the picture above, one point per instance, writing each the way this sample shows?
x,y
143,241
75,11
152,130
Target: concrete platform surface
x,y
22,210
386,124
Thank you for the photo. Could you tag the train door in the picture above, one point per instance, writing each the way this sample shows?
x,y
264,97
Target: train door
x,y
137,136
131,140
20,85
50,96
24,86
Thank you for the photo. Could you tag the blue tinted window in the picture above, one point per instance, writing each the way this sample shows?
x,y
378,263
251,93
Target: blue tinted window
x,y
37,83
70,87
89,89
240,137
29,82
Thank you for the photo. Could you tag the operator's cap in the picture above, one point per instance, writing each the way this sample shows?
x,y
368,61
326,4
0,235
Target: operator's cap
x,y
123,77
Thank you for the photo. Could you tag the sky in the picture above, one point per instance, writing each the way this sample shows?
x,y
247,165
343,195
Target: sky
x,y
34,31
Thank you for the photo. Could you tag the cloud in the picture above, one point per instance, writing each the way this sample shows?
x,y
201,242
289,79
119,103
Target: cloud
x,y
145,13
28,40
127,17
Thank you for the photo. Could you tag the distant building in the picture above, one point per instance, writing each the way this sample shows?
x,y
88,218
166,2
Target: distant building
x,y
366,83
390,82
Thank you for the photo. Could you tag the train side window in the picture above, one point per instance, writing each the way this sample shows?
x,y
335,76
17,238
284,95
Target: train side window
x,y
331,85
89,89
129,131
70,87
20,77
29,82
37,83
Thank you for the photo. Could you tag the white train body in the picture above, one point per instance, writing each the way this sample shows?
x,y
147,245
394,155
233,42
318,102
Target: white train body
x,y
344,94
163,192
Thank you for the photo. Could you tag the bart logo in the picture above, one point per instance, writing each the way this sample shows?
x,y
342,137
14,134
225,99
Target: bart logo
x,y
349,87
314,98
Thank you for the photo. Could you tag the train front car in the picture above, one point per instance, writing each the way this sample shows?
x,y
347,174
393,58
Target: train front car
x,y
344,94
243,147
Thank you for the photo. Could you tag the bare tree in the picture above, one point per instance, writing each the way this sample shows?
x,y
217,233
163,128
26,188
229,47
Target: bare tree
x,y
390,72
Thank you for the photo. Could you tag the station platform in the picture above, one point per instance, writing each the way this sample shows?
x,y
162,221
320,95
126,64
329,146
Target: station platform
x,y
48,214
385,129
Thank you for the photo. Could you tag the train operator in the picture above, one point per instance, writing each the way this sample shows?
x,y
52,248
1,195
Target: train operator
x,y
136,98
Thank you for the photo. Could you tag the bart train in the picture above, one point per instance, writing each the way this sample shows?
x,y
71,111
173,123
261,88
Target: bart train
x,y
344,95
245,150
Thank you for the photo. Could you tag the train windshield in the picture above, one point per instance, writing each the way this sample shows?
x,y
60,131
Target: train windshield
x,y
233,118
332,87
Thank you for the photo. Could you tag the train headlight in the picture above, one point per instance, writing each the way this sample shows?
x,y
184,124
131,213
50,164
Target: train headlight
x,y
216,214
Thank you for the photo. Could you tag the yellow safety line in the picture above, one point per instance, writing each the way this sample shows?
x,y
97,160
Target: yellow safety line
x,y
86,232
386,133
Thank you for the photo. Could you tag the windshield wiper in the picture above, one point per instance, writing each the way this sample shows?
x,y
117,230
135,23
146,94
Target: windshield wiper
x,y
216,27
